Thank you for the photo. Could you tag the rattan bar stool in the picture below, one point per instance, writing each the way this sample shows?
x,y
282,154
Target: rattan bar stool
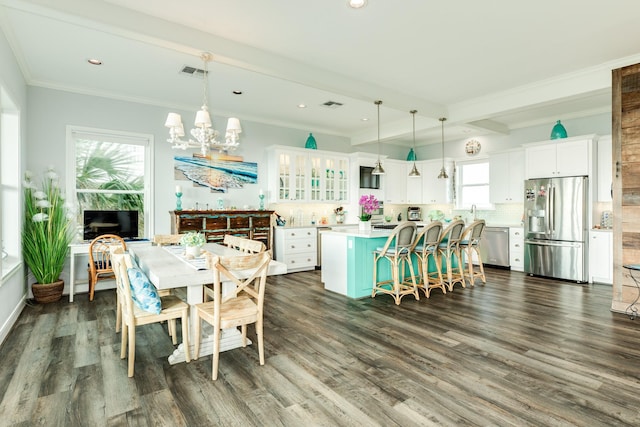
x,y
426,248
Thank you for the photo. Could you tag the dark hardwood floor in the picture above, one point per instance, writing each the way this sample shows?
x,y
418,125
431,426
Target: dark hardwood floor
x,y
518,351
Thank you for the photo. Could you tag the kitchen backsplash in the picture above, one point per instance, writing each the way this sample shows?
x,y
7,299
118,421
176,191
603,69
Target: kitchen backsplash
x,y
302,214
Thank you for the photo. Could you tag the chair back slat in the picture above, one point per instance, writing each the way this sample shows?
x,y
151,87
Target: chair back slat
x,y
429,236
401,238
452,234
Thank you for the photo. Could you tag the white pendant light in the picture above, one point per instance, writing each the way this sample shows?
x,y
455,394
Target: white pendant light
x,y
443,171
415,173
378,169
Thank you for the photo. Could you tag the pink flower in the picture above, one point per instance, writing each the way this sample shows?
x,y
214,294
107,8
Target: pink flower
x,y
369,204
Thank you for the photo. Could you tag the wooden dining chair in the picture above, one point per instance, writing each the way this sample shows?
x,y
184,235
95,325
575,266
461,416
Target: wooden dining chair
x,y
240,307
100,259
425,249
397,251
469,242
241,244
244,245
140,308
167,239
449,254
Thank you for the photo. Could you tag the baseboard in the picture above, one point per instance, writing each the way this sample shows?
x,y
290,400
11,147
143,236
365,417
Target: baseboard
x,y
11,320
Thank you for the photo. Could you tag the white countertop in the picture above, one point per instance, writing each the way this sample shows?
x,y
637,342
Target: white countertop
x,y
355,232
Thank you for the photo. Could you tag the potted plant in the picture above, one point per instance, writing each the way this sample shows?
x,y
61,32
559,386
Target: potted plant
x,y
192,242
46,235
368,204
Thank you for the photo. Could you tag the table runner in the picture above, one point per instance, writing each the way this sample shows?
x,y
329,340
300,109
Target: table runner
x,y
198,263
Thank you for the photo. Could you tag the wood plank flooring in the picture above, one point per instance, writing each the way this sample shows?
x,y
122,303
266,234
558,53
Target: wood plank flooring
x,y
517,351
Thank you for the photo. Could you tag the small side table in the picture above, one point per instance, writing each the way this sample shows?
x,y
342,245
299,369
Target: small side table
x,y
632,310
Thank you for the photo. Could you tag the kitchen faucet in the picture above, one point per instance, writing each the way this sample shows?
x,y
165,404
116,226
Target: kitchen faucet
x,y
474,212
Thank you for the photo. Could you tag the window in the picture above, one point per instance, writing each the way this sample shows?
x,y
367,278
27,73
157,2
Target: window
x,y
10,186
473,184
113,171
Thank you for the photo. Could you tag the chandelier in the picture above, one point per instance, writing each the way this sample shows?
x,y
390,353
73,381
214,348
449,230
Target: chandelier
x,y
205,137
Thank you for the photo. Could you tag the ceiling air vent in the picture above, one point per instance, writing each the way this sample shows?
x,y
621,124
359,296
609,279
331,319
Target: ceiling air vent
x,y
332,104
192,71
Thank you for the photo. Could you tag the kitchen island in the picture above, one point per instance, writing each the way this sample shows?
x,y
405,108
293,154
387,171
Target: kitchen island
x,y
347,261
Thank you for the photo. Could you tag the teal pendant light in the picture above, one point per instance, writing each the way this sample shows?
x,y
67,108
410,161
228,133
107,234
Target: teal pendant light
x,y
311,143
558,131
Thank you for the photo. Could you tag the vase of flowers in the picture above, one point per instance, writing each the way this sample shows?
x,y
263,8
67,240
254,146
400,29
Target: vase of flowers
x,y
46,235
368,204
192,242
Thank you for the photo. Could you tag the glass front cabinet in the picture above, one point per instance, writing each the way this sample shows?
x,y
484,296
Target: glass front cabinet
x,y
301,175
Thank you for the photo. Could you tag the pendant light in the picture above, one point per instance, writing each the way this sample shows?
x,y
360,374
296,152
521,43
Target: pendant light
x,y
378,169
443,172
415,173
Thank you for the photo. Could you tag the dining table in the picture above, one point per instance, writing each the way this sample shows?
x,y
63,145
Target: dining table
x,y
168,267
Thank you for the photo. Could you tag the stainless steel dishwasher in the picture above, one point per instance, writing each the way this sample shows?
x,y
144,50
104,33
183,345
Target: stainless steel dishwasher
x,y
494,246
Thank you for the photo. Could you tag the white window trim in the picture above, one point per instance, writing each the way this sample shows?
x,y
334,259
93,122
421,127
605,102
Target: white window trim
x,y
10,119
146,140
459,167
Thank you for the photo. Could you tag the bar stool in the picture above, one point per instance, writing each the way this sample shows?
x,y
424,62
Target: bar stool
x,y
449,253
397,250
426,248
469,246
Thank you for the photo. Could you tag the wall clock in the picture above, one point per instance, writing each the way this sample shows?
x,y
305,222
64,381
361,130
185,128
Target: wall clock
x,y
472,147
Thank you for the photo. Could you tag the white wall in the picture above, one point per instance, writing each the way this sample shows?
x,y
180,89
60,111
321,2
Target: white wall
x,y
599,124
13,290
50,111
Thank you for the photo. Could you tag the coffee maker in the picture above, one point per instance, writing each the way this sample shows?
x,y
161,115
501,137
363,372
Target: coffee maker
x,y
414,213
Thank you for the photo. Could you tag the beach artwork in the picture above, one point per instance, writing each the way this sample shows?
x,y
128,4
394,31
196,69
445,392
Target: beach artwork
x,y
219,172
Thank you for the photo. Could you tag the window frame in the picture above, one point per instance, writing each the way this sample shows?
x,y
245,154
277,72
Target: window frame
x,y
145,140
11,198
459,202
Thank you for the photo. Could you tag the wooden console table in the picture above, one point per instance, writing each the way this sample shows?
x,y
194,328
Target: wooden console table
x,y
255,225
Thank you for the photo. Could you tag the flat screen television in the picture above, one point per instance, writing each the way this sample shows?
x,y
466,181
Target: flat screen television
x,y
367,179
121,223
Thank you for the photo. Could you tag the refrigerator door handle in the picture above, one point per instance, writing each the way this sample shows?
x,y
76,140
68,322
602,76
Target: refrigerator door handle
x,y
552,209
543,243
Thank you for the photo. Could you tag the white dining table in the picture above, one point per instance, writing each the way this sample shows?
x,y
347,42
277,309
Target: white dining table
x,y
167,270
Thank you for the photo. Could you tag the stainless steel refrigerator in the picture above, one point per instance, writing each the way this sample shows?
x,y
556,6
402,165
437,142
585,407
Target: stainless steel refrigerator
x,y
556,227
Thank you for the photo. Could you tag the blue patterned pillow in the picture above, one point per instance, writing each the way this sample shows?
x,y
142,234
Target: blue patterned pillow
x,y
143,293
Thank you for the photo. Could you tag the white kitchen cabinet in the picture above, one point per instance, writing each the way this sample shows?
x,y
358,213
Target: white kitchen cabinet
x,y
395,181
559,157
296,247
329,178
506,177
605,169
288,175
414,184
516,248
301,175
601,256
434,189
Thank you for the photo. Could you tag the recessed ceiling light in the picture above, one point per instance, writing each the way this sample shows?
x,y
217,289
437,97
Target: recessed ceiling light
x,y
94,61
364,119
237,92
302,105
357,4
